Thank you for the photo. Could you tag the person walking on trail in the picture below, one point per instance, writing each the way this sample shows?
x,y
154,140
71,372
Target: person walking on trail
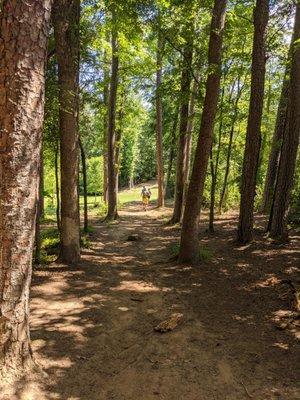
x,y
146,194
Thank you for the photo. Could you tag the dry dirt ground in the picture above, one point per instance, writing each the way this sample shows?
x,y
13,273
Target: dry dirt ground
x,y
92,326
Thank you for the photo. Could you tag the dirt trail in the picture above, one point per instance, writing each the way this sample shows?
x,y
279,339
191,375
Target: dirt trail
x,y
92,326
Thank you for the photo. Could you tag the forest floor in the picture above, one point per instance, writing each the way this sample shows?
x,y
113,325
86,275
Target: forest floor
x,y
92,325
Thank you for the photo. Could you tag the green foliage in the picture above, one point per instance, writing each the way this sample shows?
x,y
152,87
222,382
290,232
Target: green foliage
x,y
138,23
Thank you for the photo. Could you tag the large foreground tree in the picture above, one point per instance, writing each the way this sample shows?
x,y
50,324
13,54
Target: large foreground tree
x,y
253,136
189,245
23,43
66,24
159,122
183,148
288,157
112,190
280,125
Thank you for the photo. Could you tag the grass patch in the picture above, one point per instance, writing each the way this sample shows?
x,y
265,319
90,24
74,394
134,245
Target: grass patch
x,y
85,241
205,254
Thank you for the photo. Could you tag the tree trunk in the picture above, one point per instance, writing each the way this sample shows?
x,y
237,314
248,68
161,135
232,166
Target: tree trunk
x,y
159,122
37,252
172,153
276,145
105,126
84,176
189,245
119,137
57,192
253,136
41,189
228,157
182,150
214,167
22,64
190,130
112,212
66,26
288,158
40,212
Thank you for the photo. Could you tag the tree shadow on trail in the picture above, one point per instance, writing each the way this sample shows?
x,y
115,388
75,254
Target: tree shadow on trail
x,y
92,325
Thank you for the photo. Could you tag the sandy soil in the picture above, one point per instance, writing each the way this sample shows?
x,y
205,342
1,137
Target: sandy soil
x,y
92,326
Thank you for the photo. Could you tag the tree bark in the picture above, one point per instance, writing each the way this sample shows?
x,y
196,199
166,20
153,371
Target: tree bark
x,y
22,64
214,167
253,136
288,157
41,188
105,126
57,190
84,177
276,145
159,122
112,212
182,149
172,152
232,128
190,130
189,245
66,27
119,137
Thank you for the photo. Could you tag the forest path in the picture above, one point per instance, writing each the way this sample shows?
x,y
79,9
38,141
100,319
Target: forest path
x,y
92,326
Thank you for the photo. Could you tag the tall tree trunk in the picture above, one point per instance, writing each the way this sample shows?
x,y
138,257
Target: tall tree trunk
x,y
189,245
41,188
57,190
172,153
84,177
66,26
190,130
37,252
112,212
182,150
288,157
119,137
105,126
253,136
214,167
40,212
276,144
159,122
22,64
232,128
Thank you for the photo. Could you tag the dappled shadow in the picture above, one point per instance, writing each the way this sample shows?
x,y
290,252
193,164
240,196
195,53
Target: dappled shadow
x,y
92,325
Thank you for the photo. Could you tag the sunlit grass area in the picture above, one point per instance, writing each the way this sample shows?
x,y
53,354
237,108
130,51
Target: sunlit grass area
x,y
96,205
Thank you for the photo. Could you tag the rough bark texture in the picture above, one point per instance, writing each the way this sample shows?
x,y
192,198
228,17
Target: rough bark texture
x,y
288,157
112,212
253,136
232,128
215,166
190,130
119,131
66,27
276,146
105,118
159,123
22,64
41,188
172,154
84,178
57,191
182,150
189,245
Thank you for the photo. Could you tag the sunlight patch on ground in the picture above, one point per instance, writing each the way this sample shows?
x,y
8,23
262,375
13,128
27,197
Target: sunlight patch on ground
x,y
136,286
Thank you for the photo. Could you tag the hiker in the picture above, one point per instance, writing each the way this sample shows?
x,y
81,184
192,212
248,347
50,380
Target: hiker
x,y
146,194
